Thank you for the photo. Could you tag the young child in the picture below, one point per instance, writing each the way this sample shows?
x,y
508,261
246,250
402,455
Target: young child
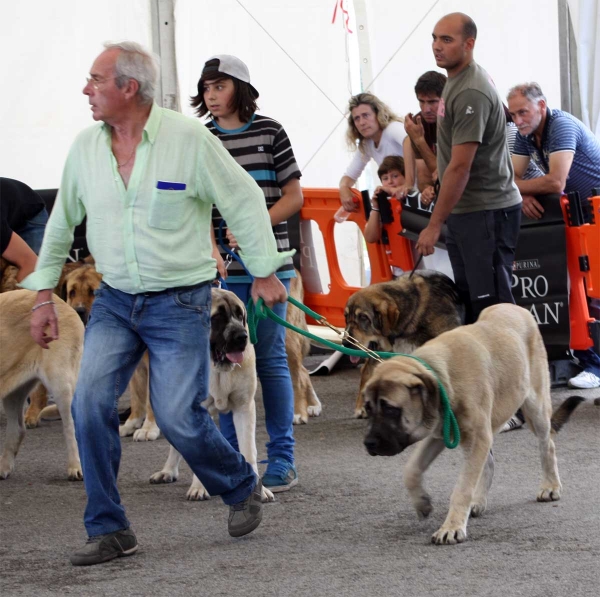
x,y
261,146
391,175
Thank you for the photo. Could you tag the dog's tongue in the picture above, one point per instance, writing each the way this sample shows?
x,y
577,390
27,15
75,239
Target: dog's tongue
x,y
354,360
235,357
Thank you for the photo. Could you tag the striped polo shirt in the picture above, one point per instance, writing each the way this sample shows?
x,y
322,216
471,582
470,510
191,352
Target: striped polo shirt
x,y
564,132
263,149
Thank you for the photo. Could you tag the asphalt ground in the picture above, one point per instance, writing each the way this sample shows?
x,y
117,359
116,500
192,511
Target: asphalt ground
x,y
347,528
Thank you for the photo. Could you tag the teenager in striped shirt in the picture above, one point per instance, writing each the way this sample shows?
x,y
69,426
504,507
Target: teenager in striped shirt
x,y
261,146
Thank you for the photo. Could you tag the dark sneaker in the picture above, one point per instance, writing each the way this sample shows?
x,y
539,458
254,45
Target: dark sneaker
x,y
280,475
106,547
245,516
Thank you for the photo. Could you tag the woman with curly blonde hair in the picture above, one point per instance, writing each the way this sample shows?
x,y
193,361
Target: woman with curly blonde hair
x,y
379,132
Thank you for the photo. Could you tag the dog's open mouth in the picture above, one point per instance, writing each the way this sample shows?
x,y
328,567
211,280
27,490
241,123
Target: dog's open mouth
x,y
221,357
372,346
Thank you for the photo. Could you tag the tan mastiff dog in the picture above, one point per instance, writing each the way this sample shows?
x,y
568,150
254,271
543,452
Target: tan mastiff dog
x,y
24,364
489,370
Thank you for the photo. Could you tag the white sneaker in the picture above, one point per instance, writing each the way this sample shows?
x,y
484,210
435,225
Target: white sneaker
x,y
513,423
585,381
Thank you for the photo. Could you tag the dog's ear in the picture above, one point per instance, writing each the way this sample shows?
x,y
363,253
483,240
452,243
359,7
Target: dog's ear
x,y
428,390
61,287
393,316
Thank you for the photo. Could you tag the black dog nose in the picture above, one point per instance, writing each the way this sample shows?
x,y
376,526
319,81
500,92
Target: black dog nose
x,y
240,336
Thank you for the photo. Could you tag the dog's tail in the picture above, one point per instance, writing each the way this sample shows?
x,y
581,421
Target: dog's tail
x,y
562,414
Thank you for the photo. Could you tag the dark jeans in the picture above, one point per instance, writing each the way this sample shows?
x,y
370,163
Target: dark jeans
x,y
481,246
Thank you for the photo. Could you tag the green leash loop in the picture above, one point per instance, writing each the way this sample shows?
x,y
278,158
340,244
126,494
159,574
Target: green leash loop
x,y
451,431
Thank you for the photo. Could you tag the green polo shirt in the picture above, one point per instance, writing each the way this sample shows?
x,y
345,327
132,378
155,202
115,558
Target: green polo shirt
x,y
155,234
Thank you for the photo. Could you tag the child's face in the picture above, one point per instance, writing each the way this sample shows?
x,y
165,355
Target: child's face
x,y
393,179
218,97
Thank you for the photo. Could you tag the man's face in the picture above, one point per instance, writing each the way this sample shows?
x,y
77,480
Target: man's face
x,y
105,98
450,49
428,102
393,178
526,114
218,97
365,121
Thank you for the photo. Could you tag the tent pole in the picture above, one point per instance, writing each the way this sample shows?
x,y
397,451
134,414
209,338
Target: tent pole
x,y
163,44
569,79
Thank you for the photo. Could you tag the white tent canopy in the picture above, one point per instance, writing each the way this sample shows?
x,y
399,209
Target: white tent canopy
x,y
304,66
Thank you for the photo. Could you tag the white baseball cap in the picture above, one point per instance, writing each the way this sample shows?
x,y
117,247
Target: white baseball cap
x,y
225,64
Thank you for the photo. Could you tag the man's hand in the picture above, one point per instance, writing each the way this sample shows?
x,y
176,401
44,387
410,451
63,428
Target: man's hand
x,y
233,244
414,128
270,289
427,196
221,269
428,238
532,208
42,318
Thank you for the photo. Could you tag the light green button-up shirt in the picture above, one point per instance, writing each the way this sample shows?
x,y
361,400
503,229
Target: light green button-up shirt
x,y
147,239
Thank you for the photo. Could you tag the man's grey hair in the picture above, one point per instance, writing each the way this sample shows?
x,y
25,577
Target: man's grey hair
x,y
135,62
532,91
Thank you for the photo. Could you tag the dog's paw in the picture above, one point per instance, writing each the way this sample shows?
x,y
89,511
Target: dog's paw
x,y
197,493
5,472
300,419
315,410
360,413
449,536
423,507
478,509
266,495
163,477
128,428
32,421
548,494
74,473
146,435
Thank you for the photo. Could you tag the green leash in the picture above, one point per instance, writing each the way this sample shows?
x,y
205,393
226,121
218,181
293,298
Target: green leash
x,y
451,432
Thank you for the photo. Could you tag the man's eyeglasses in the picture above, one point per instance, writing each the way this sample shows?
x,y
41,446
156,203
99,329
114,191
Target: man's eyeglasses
x,y
95,83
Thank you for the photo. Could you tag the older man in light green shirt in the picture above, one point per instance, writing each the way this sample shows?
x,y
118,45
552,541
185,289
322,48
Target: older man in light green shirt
x,y
145,238
146,179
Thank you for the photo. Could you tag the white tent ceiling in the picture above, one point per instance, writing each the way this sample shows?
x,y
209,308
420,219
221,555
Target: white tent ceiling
x,y
301,63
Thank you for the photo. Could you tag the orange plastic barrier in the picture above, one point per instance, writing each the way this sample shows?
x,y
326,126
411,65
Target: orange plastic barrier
x,y
320,205
398,251
582,241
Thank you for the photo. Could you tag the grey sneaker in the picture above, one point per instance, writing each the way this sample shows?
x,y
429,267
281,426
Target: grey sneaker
x,y
245,516
106,547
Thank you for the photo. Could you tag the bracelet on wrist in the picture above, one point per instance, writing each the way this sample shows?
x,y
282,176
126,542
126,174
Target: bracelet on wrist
x,y
35,307
375,209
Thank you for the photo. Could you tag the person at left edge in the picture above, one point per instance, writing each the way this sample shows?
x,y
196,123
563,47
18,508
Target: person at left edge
x,y
146,179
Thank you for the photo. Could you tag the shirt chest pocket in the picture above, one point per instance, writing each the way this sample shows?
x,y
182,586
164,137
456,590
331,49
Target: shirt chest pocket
x,y
169,209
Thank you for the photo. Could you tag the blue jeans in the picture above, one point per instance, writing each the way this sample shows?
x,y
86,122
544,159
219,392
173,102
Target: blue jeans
x,y
275,382
33,231
174,327
588,360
